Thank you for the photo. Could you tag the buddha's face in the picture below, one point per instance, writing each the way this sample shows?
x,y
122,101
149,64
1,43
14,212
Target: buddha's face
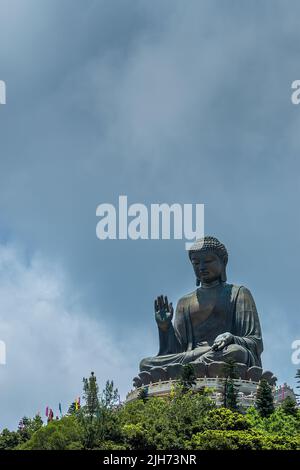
x,y
207,266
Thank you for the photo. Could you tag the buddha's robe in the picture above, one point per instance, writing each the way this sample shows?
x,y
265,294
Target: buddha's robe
x,y
203,315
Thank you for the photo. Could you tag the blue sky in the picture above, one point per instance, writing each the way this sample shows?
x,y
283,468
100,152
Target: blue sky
x,y
163,101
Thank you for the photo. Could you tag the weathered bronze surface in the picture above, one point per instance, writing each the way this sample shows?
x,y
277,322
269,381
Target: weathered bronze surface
x,y
216,322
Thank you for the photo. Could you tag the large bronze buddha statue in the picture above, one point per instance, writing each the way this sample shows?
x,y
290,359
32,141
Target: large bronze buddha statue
x,y
216,322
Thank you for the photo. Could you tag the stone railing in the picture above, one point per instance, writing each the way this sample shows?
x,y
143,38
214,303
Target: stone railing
x,y
247,388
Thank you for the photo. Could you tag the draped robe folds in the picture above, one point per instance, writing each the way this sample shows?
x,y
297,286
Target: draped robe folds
x,y
203,315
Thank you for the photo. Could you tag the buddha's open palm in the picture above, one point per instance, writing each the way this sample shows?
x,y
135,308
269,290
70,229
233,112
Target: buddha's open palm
x,y
163,312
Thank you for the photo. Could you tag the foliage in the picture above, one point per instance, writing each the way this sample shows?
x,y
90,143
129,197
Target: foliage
x,y
143,394
186,419
230,392
110,396
27,427
289,406
72,408
161,423
264,399
188,378
242,440
9,439
278,422
226,420
98,417
63,434
297,377
230,395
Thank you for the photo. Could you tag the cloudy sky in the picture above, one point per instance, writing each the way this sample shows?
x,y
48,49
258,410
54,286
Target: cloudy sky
x,y
162,101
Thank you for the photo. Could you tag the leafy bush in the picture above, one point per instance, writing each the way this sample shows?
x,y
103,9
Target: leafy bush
x,y
225,419
278,423
161,423
242,440
184,420
63,434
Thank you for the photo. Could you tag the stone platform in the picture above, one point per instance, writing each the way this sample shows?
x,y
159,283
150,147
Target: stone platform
x,y
213,370
246,394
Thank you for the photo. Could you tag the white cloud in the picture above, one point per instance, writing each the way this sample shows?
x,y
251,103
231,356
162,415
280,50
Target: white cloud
x,y
51,344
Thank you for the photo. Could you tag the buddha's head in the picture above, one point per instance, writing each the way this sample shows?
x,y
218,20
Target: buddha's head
x,y
209,259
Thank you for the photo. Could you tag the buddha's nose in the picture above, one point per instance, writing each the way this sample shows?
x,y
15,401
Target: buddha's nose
x,y
203,269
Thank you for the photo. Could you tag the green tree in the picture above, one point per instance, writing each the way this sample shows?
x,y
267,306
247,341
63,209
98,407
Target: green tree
x,y
226,420
277,423
143,394
289,406
230,392
99,417
264,401
297,377
89,414
188,378
72,409
9,439
90,395
231,395
63,434
242,440
110,397
108,418
161,423
28,426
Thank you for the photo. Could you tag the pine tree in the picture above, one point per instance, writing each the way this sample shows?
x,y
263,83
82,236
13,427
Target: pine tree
x,y
110,397
230,393
143,394
231,398
188,378
90,395
72,408
89,415
264,401
289,406
108,413
98,415
28,426
297,377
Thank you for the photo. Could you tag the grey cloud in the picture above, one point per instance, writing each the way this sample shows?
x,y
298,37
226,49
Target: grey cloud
x,y
165,102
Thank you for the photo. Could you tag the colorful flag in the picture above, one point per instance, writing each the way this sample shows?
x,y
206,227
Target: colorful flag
x,y
77,403
51,414
59,407
47,411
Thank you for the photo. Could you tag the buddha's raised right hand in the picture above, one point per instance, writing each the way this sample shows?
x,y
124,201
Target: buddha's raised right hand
x,y
163,312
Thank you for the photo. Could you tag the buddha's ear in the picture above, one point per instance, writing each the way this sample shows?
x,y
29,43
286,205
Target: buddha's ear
x,y
223,274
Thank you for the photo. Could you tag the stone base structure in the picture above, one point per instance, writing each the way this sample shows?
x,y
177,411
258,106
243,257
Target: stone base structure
x,y
246,394
160,381
212,370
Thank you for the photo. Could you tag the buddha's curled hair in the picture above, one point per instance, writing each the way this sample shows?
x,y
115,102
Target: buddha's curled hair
x,y
209,243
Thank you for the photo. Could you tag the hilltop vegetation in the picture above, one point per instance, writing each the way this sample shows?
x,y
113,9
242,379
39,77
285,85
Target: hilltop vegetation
x,y
185,420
